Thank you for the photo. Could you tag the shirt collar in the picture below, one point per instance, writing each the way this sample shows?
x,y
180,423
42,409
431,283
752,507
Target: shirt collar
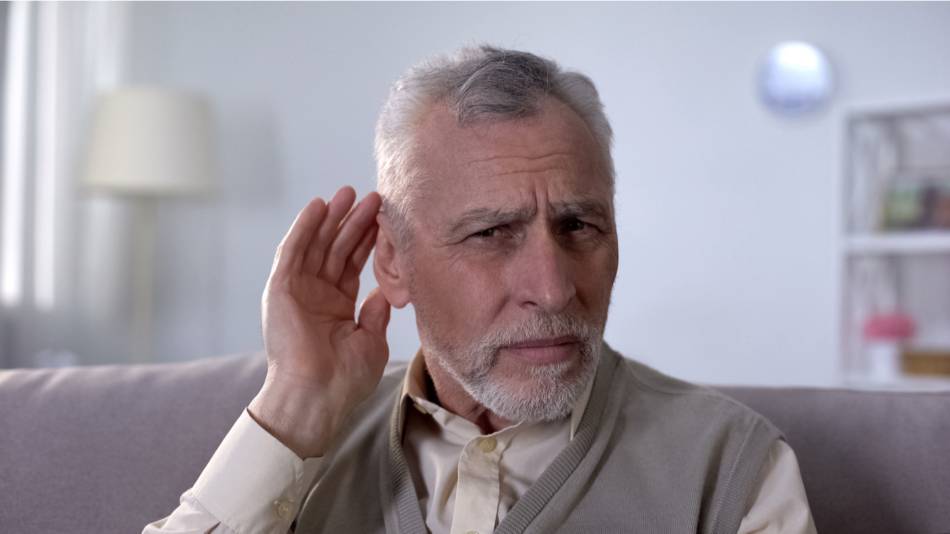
x,y
414,388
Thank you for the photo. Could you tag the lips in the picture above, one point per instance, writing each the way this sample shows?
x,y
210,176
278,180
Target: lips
x,y
544,351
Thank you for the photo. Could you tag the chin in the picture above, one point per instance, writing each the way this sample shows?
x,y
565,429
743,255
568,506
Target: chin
x,y
534,393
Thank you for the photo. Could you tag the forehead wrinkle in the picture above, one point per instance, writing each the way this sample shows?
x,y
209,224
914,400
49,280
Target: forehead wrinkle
x,y
528,171
491,159
508,165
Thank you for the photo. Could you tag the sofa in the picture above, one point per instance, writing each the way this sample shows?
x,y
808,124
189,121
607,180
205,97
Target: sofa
x,y
110,448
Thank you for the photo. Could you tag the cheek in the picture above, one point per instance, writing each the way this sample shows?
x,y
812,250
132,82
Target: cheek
x,y
458,296
596,280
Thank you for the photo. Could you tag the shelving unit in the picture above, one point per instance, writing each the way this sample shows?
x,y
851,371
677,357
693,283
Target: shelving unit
x,y
896,236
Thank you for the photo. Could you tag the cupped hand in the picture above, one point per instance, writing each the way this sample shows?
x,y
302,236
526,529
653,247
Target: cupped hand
x,y
321,360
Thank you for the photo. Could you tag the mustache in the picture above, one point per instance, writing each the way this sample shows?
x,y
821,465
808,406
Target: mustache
x,y
542,326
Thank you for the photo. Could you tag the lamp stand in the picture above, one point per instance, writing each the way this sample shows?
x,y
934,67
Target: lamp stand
x,y
143,278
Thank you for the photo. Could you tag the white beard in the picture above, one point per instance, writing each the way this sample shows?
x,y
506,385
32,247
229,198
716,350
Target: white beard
x,y
553,389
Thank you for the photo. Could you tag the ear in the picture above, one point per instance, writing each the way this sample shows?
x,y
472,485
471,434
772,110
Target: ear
x,y
389,266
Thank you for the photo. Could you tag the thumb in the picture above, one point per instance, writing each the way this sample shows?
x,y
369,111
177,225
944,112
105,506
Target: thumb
x,y
374,313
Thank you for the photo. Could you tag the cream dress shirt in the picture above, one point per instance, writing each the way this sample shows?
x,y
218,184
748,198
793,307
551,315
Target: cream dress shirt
x,y
469,481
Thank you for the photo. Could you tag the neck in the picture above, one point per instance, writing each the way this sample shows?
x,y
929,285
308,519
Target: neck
x,y
449,394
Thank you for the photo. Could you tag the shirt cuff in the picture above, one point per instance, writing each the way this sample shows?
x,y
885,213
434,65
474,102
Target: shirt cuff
x,y
254,483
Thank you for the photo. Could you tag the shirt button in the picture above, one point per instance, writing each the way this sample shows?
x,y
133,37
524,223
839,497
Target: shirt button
x,y
487,444
283,509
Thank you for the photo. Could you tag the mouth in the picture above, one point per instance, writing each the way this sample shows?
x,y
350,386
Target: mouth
x,y
544,351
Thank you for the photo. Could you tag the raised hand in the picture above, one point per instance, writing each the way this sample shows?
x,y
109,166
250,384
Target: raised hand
x,y
321,363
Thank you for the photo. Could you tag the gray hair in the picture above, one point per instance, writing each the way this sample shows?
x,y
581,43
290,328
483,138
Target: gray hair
x,y
477,84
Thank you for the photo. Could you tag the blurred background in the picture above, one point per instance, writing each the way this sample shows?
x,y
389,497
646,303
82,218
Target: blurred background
x,y
782,208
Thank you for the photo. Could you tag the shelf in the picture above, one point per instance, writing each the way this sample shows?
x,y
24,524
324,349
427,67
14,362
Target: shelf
x,y
919,242
898,109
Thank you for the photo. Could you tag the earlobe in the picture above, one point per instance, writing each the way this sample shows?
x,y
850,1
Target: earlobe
x,y
388,267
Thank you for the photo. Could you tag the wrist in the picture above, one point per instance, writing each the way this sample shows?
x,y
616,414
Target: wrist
x,y
296,417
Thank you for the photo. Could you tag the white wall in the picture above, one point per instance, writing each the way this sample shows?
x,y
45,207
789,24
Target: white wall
x,y
728,216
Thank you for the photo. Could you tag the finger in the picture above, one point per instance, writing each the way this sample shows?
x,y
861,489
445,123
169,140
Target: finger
x,y
290,251
350,279
374,313
317,245
351,233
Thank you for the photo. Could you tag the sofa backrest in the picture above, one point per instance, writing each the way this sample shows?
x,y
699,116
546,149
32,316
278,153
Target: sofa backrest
x,y
872,461
110,449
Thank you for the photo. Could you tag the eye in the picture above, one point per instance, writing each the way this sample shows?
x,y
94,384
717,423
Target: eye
x,y
487,232
574,225
500,234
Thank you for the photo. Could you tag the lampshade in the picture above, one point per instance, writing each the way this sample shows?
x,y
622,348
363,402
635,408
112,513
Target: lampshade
x,y
151,142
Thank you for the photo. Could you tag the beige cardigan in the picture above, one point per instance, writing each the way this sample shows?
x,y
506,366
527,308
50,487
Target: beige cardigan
x,y
651,454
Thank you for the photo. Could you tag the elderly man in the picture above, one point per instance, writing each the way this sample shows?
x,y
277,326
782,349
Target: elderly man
x,y
495,220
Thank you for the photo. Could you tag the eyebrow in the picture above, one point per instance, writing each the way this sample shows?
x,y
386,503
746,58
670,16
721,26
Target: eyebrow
x,y
581,208
489,216
496,216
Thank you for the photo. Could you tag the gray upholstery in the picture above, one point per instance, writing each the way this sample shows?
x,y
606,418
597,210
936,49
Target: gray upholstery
x,y
108,449
871,461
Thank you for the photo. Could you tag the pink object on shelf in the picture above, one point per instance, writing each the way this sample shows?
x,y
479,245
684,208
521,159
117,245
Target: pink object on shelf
x,y
888,327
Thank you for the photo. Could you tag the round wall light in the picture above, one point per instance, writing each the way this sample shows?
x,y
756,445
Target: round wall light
x,y
796,79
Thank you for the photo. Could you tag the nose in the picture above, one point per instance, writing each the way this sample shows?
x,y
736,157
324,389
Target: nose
x,y
545,277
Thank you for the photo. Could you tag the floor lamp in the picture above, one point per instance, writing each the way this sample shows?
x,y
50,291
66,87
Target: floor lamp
x,y
148,143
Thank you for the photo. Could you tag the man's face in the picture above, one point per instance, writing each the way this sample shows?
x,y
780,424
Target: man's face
x,y
513,258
